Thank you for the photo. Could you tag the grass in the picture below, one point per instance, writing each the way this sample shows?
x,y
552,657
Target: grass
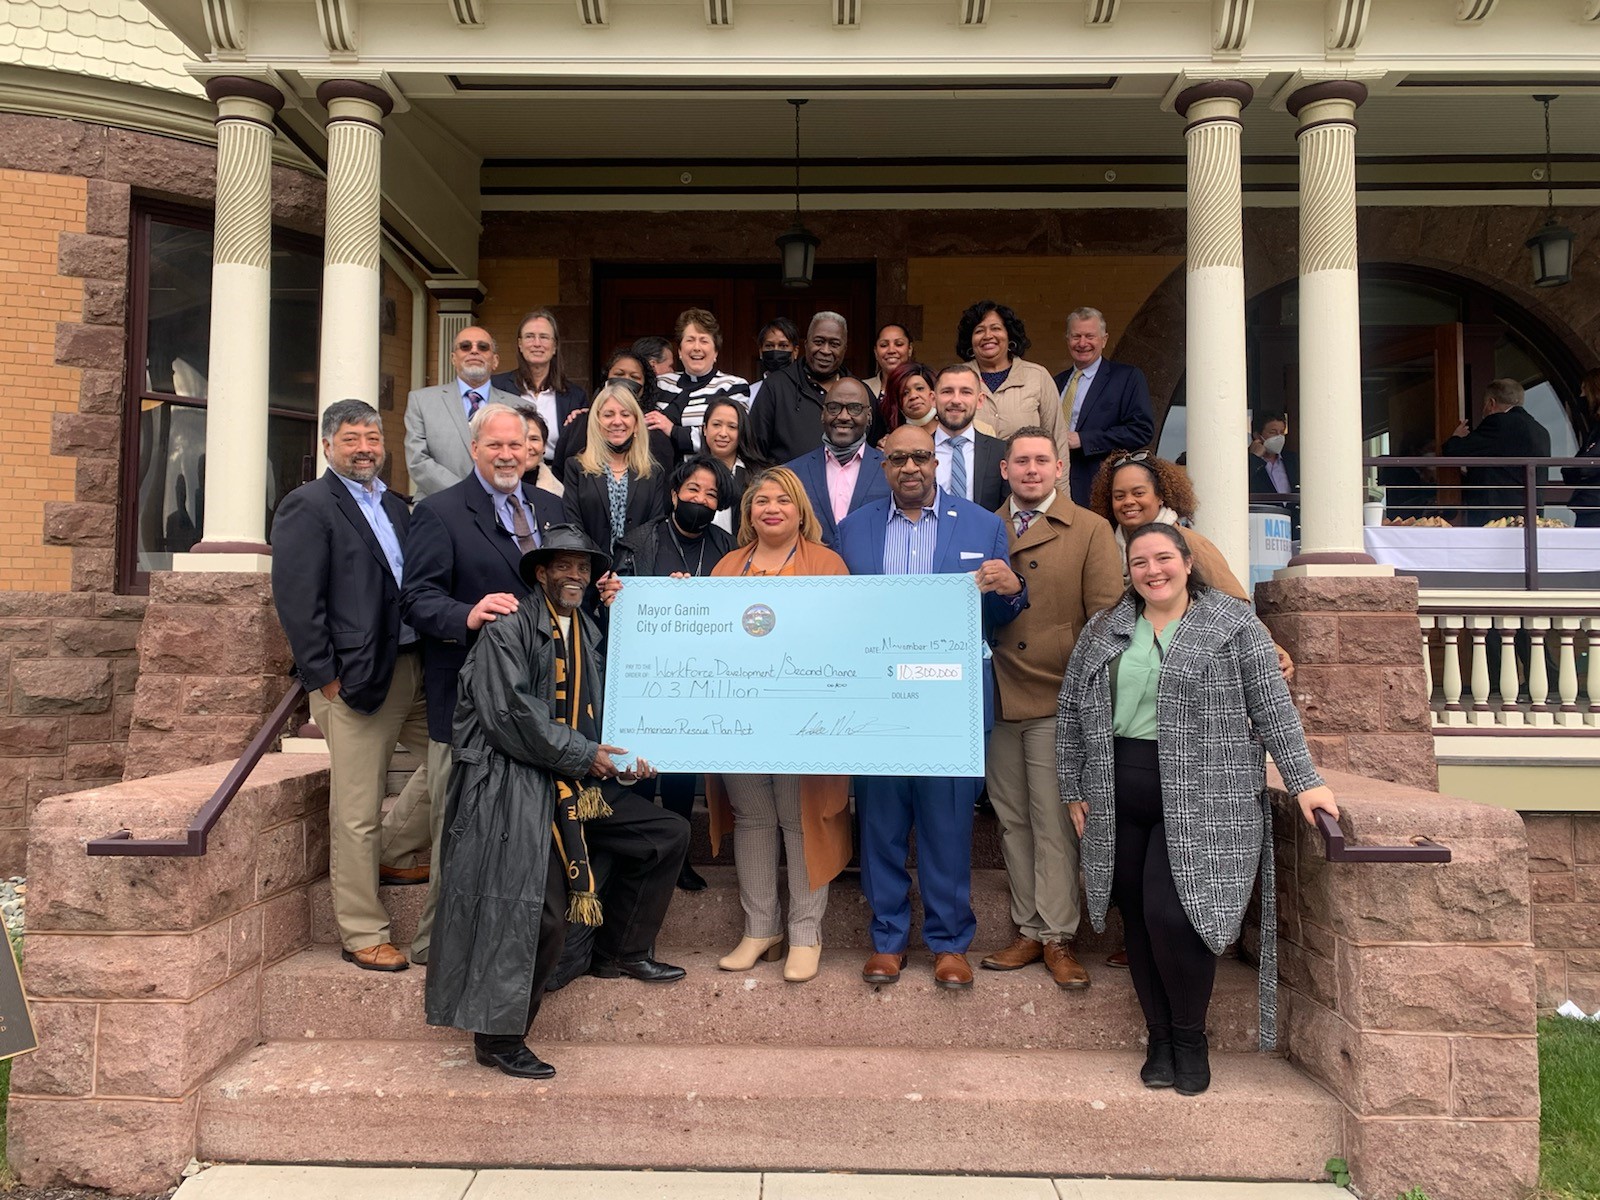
x,y
1569,1123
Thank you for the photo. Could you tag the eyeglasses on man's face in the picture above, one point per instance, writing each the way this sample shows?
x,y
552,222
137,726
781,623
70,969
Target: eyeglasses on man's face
x,y
899,458
833,408
467,347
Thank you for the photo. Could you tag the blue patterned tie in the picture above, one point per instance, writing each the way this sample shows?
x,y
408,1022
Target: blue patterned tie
x,y
958,467
474,402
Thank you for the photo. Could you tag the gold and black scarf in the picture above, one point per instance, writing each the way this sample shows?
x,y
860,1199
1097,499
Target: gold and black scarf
x,y
575,803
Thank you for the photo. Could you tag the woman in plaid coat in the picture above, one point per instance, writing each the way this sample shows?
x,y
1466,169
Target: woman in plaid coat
x,y
1162,717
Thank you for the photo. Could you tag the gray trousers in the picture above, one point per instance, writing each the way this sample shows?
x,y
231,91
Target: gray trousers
x,y
763,807
1036,835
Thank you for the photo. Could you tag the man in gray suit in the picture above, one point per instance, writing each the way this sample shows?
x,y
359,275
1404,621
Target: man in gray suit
x,y
438,439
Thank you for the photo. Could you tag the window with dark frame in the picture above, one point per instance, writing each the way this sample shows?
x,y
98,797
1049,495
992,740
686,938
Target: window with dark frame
x,y
162,511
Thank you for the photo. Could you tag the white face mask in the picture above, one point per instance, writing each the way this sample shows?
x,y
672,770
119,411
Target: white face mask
x,y
1274,444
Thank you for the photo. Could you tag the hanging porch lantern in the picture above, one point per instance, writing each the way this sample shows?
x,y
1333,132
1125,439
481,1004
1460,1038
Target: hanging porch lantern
x,y
798,245
1551,247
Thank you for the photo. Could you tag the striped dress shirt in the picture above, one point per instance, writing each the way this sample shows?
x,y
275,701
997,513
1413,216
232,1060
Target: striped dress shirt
x,y
908,548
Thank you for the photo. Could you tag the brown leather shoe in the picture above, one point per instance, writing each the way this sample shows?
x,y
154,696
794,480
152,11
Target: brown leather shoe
x,y
884,968
1118,959
403,875
952,971
1064,966
382,957
1021,953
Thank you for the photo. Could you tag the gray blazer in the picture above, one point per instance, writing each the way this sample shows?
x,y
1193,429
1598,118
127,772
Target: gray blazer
x,y
438,439
1220,697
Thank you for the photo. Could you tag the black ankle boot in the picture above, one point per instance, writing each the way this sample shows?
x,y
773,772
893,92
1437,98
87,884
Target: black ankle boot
x,y
1157,1069
1191,1065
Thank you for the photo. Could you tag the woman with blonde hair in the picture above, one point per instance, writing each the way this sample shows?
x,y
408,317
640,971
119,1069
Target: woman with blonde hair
x,y
779,535
613,484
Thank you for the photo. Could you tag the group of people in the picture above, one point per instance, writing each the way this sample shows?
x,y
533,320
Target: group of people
x,y
1129,687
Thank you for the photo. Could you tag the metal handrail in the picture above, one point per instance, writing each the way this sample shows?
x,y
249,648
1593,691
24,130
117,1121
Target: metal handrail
x,y
1334,848
193,843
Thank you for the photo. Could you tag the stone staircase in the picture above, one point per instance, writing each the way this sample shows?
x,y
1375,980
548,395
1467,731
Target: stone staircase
x,y
725,1071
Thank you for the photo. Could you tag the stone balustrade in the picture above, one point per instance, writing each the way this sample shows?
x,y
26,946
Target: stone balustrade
x,y
143,974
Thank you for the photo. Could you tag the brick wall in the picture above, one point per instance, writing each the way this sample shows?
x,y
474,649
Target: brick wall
x,y
394,365
512,287
36,211
1564,866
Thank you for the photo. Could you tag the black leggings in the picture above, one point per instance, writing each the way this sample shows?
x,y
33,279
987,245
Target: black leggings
x,y
1173,969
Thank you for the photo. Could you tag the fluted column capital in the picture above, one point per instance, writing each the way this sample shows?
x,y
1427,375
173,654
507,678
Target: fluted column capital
x,y
354,100
1214,99
1333,99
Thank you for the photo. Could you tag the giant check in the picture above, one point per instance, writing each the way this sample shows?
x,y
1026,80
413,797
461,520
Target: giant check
x,y
821,675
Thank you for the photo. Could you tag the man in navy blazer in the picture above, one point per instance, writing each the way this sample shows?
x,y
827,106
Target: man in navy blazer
x,y
337,569
844,466
1107,404
462,560
922,530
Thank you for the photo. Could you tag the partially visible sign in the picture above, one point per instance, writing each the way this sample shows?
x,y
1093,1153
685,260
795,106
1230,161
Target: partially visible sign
x,y
16,1024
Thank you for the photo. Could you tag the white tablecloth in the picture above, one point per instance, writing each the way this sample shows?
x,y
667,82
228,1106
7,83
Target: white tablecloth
x,y
1409,548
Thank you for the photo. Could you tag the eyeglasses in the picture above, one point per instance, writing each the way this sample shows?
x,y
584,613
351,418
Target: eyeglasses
x,y
538,337
1139,456
466,347
832,409
899,458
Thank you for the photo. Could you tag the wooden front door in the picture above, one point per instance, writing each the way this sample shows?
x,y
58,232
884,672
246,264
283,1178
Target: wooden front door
x,y
636,301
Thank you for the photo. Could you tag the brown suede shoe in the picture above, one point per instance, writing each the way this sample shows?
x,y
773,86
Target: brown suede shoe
x,y
382,957
952,971
1021,953
1064,967
403,875
884,968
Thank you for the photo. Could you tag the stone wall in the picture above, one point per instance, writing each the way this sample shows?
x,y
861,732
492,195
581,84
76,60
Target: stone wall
x,y
68,670
144,973
1564,866
1408,991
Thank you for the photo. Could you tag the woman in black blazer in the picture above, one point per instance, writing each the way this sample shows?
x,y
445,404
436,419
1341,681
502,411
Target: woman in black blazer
x,y
540,380
614,484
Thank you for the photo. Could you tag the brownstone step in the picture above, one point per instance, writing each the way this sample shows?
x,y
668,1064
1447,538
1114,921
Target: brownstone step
x,y
317,995
1009,1112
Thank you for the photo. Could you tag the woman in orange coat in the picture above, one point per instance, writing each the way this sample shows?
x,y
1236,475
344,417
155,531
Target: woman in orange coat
x,y
779,534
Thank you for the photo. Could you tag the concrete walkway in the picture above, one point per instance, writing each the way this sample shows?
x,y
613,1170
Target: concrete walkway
x,y
404,1183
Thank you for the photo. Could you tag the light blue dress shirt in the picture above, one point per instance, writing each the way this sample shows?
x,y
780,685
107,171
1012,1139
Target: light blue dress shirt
x,y
371,504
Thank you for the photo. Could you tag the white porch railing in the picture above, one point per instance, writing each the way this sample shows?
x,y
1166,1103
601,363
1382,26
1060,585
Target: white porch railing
x,y
1504,661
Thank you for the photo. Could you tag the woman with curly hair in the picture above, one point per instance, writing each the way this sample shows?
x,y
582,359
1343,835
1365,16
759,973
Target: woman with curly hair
x,y
1016,393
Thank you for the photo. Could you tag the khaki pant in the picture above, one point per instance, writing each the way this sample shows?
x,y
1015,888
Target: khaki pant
x,y
1036,835
438,769
359,750
766,815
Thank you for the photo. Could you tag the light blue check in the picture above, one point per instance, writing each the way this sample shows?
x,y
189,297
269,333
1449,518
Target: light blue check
x,y
867,675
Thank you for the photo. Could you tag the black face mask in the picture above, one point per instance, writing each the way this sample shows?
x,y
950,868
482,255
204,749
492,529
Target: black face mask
x,y
692,517
623,447
775,360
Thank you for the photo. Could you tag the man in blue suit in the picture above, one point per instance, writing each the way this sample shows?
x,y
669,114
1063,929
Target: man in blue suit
x,y
1106,404
463,556
844,472
922,530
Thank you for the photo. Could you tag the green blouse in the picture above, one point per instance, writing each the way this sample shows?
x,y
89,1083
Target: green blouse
x,y
1138,672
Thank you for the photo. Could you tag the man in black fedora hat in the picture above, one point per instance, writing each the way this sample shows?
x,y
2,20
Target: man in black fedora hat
x,y
533,792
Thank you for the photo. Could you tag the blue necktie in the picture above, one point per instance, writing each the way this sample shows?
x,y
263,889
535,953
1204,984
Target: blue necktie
x,y
958,467
474,402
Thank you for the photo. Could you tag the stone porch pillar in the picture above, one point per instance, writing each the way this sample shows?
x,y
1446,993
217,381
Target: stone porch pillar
x,y
351,282
1219,427
1331,484
234,536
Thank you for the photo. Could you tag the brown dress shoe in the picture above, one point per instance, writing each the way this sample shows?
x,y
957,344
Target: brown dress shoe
x,y
1014,957
1118,959
382,957
1064,967
952,971
884,968
403,875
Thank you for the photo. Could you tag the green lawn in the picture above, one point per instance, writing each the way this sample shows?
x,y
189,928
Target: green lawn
x,y
1569,1125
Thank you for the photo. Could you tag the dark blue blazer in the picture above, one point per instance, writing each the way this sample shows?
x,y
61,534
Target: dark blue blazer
x,y
1115,415
813,472
963,527
458,553
336,596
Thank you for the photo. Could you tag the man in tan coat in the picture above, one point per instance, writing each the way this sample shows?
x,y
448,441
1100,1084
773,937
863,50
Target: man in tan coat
x,y
1068,556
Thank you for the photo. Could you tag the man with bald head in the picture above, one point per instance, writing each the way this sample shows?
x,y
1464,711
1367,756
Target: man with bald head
x,y
438,419
920,529
844,472
783,418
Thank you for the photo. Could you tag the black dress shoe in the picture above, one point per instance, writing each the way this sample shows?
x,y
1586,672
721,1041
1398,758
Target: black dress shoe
x,y
646,970
690,880
1191,1063
1158,1070
520,1063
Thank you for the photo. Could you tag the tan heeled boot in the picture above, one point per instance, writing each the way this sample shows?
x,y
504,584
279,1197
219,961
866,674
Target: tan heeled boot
x,y
802,963
751,950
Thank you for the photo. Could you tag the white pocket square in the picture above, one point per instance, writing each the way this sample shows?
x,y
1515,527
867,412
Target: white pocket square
x,y
971,554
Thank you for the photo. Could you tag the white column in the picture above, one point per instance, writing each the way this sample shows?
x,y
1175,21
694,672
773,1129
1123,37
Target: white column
x,y
234,533
1219,426
351,281
1331,486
